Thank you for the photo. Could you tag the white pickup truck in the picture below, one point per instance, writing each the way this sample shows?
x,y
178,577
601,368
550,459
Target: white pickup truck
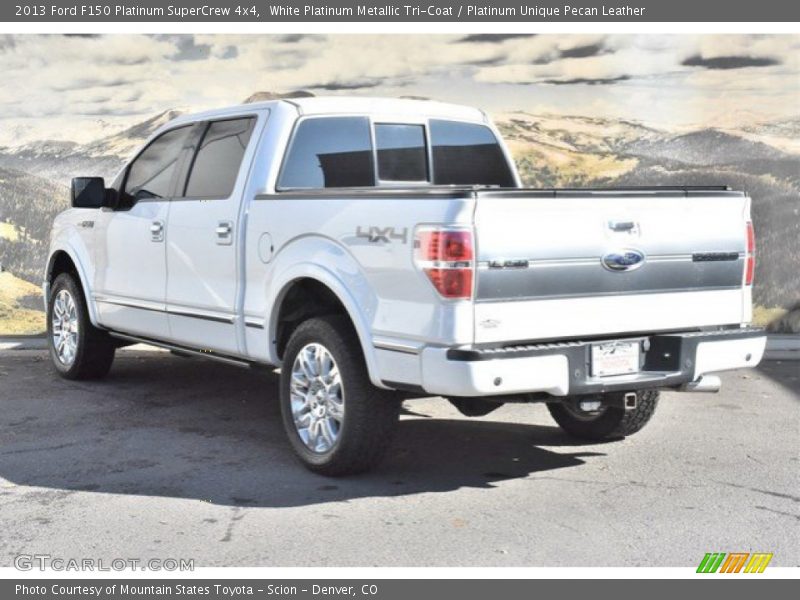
x,y
383,249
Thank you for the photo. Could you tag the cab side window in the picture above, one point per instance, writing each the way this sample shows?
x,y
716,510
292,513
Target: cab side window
x,y
218,159
467,154
150,174
330,152
402,155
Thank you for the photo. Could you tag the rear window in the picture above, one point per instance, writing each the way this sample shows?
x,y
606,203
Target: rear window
x,y
216,165
401,152
330,152
467,154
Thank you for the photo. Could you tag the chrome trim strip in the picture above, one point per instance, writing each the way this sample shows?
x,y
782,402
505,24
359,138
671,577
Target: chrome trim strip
x,y
140,304
396,347
145,305
615,293
576,262
228,320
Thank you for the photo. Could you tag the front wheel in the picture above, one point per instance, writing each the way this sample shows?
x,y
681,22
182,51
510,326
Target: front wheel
x,y
338,423
78,349
609,421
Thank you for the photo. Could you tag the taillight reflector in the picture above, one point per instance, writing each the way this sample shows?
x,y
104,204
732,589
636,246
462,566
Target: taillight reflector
x,y
750,257
451,283
446,256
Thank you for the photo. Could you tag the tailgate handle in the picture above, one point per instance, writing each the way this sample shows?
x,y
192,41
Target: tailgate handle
x,y
621,225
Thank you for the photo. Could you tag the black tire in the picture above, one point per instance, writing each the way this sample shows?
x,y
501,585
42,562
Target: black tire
x,y
610,422
370,414
94,351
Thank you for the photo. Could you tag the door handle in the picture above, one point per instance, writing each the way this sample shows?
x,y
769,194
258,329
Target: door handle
x,y
624,226
224,233
157,231
621,225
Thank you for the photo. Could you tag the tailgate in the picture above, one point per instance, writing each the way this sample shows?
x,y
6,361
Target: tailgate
x,y
573,264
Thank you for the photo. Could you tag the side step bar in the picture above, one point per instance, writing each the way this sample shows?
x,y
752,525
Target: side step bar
x,y
177,348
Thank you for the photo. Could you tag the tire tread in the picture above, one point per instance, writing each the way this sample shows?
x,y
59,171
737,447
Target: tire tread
x,y
96,348
371,413
615,422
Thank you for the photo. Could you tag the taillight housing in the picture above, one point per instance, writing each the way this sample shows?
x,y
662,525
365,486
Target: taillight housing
x,y
750,255
447,256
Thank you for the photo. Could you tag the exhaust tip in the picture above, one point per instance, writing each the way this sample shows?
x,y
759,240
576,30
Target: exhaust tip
x,y
704,383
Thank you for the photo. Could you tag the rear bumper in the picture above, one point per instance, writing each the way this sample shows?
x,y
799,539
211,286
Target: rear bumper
x,y
561,369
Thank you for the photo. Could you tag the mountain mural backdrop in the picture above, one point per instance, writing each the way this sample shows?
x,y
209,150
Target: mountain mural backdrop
x,y
550,151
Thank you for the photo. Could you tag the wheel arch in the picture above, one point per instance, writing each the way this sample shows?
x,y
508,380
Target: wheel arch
x,y
311,290
63,260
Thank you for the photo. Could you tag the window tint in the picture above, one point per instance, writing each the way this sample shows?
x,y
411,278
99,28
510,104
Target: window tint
x,y
216,165
151,173
401,152
467,154
329,152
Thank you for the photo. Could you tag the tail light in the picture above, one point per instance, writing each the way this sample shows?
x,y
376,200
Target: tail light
x,y
750,257
446,256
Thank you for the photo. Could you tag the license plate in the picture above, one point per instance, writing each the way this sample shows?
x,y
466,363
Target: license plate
x,y
615,358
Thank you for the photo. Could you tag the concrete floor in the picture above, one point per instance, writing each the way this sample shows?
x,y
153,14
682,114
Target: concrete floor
x,y
173,457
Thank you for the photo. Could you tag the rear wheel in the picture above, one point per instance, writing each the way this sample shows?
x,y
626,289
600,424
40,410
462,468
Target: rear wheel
x,y
338,423
78,349
609,421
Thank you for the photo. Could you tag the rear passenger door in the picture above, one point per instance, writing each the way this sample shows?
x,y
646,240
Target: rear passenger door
x,y
202,237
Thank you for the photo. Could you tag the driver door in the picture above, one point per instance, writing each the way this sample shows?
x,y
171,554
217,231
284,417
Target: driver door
x,y
131,274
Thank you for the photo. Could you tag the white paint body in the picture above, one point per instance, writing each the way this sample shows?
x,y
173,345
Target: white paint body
x,y
191,291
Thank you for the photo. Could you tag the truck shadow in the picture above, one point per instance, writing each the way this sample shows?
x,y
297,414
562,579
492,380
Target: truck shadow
x,y
166,426
785,373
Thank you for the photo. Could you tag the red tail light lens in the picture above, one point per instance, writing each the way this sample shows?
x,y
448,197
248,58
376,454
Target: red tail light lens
x,y
446,256
451,283
750,257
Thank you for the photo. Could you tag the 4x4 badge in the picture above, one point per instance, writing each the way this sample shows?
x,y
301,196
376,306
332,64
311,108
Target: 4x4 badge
x,y
382,234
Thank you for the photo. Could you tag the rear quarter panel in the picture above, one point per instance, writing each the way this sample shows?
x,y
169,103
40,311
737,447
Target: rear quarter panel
x,y
388,297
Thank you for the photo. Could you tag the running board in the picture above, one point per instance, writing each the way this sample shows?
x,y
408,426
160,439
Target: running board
x,y
177,348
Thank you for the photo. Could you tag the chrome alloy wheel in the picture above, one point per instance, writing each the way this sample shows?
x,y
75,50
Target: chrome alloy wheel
x,y
317,398
65,327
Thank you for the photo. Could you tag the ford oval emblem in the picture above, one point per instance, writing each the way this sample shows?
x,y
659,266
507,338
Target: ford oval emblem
x,y
626,259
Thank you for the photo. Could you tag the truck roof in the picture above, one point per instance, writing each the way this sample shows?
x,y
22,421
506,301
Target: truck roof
x,y
372,105
321,105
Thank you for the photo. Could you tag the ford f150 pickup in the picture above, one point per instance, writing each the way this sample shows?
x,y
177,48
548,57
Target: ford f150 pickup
x,y
378,250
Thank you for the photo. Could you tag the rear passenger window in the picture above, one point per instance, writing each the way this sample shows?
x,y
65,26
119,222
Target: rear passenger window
x,y
329,152
467,154
216,165
150,174
401,152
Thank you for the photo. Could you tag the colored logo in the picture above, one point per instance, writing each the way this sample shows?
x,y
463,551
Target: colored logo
x,y
734,562
626,259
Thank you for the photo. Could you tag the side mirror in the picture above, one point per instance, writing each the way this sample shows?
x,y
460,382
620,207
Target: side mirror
x,y
89,192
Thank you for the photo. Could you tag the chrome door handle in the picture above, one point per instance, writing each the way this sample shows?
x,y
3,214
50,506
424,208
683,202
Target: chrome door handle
x,y
621,225
629,227
224,233
157,231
